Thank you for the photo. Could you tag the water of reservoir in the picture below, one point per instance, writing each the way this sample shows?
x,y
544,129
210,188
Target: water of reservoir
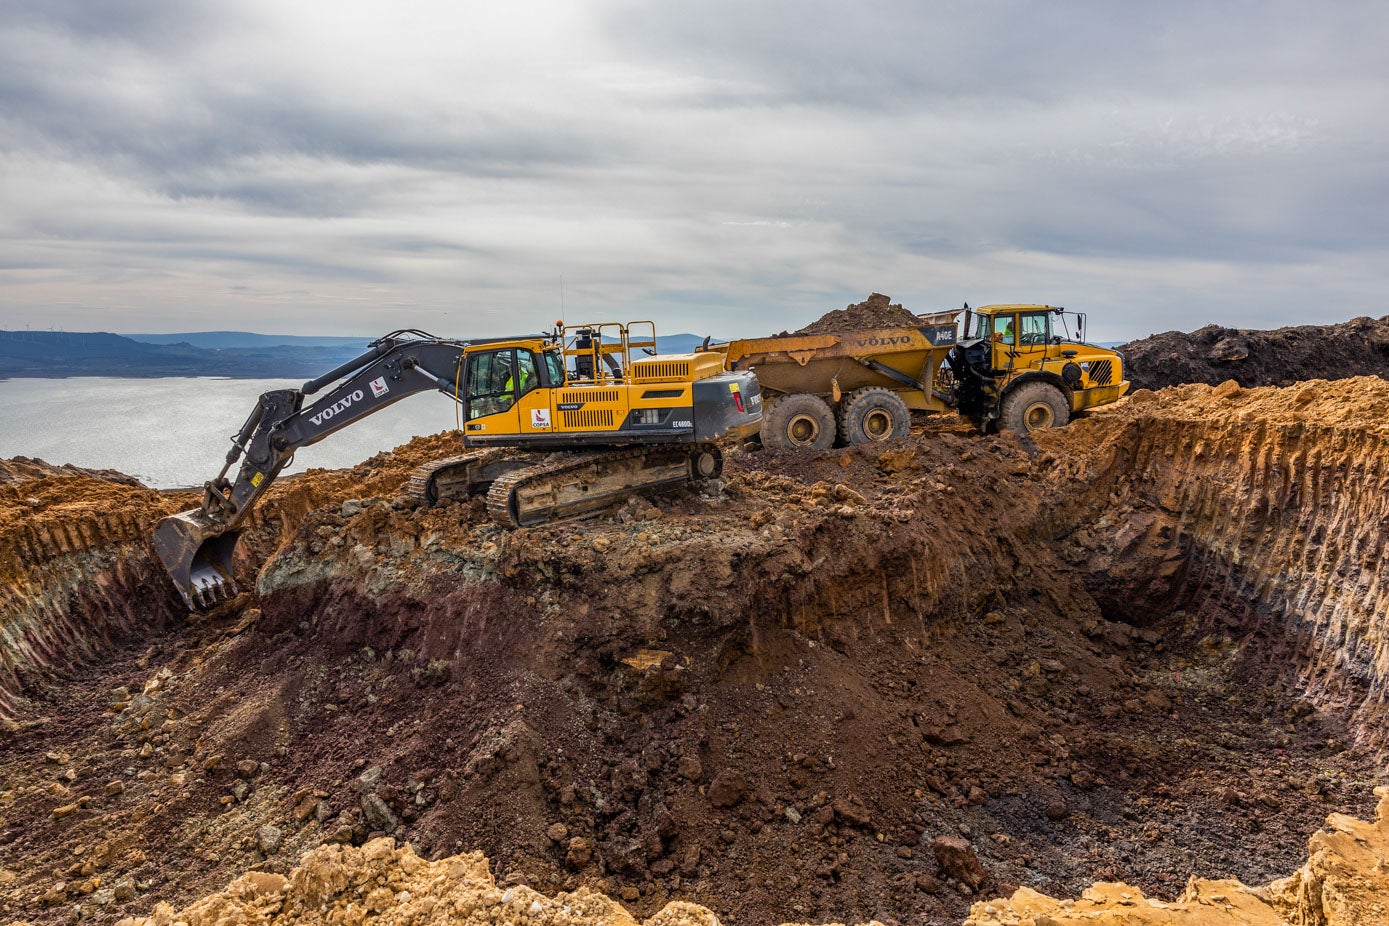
x,y
176,431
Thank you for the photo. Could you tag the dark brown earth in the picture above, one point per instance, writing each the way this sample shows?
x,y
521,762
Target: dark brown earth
x,y
877,311
1212,355
787,698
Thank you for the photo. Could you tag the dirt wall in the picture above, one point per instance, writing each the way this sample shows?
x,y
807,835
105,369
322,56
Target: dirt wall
x,y
1267,504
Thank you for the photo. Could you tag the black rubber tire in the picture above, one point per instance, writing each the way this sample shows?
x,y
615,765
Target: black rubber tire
x,y
1034,406
873,414
799,421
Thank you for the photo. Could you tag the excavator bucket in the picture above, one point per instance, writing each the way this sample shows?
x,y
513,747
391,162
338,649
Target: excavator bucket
x,y
197,552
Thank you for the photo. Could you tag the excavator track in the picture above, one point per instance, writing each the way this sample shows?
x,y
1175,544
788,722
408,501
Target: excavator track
x,y
574,485
463,476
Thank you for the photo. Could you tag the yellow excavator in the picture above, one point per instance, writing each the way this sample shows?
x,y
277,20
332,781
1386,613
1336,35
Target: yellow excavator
x,y
558,425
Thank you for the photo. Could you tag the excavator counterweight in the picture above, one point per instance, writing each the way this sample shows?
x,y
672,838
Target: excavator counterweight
x,y
561,425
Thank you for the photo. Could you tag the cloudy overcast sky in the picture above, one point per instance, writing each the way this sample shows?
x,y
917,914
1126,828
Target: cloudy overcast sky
x,y
726,166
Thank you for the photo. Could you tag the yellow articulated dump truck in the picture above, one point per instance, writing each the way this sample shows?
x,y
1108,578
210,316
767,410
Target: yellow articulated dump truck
x,y
1021,367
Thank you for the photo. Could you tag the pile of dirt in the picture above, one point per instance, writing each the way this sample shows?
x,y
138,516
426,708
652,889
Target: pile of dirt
x,y
19,469
1212,355
1345,882
344,886
875,682
877,311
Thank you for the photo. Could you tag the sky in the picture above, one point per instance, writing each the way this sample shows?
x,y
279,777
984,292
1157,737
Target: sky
x,y
731,167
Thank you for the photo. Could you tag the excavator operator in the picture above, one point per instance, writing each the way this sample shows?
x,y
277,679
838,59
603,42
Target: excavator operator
x,y
524,367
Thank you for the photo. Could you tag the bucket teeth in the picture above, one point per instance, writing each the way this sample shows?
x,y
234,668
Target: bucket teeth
x,y
209,588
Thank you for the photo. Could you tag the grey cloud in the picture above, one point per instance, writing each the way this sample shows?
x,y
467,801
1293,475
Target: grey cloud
x,y
896,53
727,167
151,24
108,90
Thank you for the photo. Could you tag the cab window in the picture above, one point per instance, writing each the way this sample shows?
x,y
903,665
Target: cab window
x,y
554,366
497,378
979,327
1036,329
1003,329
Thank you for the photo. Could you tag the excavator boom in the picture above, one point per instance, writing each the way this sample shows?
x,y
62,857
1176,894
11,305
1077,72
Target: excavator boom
x,y
518,393
197,546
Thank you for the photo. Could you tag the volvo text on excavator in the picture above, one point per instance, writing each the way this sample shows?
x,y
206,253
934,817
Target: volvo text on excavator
x,y
558,425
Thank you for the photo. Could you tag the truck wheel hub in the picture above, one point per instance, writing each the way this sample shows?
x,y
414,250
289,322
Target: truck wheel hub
x,y
803,429
877,425
1039,415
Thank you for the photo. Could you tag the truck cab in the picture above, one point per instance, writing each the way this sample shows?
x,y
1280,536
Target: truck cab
x,y
1033,368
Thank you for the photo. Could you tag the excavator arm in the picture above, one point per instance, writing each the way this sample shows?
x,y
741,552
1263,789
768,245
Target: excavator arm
x,y
197,546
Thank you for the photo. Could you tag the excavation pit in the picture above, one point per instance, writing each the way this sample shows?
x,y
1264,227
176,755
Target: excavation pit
x,y
1141,648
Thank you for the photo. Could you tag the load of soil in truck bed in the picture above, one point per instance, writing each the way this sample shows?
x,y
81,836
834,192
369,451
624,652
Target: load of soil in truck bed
x,y
877,311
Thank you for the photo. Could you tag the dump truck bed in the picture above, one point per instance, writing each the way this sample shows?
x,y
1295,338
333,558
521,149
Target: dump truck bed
x,y
903,359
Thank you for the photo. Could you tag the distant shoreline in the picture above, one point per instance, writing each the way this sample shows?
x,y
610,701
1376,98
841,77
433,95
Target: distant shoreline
x,y
230,355
127,375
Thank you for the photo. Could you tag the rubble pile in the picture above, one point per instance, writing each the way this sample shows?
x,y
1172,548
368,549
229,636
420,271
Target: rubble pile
x,y
880,682
1345,882
1214,354
380,883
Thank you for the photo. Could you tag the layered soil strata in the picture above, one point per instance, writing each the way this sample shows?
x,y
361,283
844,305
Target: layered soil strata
x,y
872,682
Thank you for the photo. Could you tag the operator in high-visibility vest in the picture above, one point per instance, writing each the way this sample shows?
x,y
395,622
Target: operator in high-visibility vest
x,y
525,379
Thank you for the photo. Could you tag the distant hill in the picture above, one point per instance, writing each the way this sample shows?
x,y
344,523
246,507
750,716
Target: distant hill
x,y
679,343
59,353
214,340
235,354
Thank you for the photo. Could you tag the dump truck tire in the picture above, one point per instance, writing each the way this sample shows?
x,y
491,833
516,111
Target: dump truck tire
x,y
873,414
1033,406
799,422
